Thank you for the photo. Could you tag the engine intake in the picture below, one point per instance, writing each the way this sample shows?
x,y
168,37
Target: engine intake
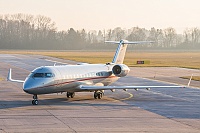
x,y
120,70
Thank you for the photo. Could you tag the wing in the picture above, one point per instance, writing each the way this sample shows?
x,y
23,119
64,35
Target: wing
x,y
93,88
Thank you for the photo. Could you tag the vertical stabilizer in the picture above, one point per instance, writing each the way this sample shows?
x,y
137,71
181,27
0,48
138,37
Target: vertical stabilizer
x,y
121,50
120,53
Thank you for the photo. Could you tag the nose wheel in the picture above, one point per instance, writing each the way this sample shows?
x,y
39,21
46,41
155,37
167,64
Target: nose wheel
x,y
35,101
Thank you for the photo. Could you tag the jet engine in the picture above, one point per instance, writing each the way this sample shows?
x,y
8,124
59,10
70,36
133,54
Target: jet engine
x,y
120,70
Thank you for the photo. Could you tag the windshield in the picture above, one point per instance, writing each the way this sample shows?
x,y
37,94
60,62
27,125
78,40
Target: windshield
x,y
43,75
48,75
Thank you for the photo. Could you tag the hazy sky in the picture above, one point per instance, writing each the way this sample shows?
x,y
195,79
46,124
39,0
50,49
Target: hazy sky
x,y
105,14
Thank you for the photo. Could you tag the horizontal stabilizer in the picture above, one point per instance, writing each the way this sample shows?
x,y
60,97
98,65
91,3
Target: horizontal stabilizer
x,y
128,42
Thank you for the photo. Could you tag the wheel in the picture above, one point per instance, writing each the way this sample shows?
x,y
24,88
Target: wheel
x,y
99,95
95,95
72,94
68,95
35,102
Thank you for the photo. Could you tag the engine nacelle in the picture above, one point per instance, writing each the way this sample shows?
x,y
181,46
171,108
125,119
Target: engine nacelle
x,y
120,70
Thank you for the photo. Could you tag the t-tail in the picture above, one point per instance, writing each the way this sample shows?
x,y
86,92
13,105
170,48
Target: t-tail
x,y
121,50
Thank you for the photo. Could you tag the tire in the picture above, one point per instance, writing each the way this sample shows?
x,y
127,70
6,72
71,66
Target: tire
x,y
68,95
72,95
35,102
95,95
99,96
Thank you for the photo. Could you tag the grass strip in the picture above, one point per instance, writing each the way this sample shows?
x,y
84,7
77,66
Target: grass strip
x,y
1,79
196,78
155,59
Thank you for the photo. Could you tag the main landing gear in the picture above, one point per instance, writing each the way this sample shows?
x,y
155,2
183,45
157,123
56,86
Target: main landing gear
x,y
70,94
35,101
98,94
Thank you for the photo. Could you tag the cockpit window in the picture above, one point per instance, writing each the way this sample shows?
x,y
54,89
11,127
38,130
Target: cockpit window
x,y
31,74
43,75
49,75
38,75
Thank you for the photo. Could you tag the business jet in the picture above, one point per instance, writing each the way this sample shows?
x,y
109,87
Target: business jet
x,y
81,77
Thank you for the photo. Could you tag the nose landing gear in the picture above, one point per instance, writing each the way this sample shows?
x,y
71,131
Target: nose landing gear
x,y
35,101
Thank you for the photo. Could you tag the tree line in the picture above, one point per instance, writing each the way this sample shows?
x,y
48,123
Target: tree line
x,y
22,31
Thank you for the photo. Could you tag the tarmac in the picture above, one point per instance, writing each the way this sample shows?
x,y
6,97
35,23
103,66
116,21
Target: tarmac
x,y
155,111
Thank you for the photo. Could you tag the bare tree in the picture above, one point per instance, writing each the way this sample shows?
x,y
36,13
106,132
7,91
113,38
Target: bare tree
x,y
100,37
109,34
118,33
156,35
137,34
170,37
195,32
187,35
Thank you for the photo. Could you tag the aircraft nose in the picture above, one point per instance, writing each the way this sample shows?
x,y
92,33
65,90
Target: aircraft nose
x,y
28,85
27,88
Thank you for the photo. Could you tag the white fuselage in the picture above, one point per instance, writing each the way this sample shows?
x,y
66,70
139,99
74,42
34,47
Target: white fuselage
x,y
55,79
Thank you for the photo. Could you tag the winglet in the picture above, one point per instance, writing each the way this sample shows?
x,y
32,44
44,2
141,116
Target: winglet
x,y
9,78
190,80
